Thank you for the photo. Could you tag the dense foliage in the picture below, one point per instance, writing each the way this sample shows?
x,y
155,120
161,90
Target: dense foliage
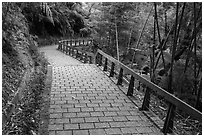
x,y
121,24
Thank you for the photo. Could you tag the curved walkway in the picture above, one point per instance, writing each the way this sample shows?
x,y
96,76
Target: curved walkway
x,y
84,101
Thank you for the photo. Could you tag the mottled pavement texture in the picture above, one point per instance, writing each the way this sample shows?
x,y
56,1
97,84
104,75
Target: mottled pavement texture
x,y
84,101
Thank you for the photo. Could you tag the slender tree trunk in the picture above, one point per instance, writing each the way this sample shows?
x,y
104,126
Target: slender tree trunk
x,y
116,35
195,21
128,47
138,41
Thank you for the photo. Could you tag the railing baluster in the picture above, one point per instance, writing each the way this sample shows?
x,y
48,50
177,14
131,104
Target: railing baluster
x,y
105,65
100,60
131,86
168,124
85,58
120,77
63,47
81,57
66,48
77,54
70,43
90,60
74,52
146,100
112,69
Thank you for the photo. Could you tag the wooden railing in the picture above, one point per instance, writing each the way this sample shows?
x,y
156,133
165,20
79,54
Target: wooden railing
x,y
174,102
69,47
77,42
103,59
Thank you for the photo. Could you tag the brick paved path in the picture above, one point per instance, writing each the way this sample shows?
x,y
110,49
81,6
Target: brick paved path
x,y
84,101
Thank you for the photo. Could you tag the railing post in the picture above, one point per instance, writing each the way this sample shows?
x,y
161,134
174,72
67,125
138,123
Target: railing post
x,y
100,59
77,54
168,124
58,45
105,65
63,47
131,86
72,51
85,58
112,69
70,43
66,48
120,77
67,42
90,61
69,50
81,57
75,42
146,100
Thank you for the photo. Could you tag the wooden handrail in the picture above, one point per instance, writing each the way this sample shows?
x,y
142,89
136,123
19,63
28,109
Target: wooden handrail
x,y
70,46
79,41
166,95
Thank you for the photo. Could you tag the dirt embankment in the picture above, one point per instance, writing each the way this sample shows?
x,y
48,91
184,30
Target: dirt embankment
x,y
23,75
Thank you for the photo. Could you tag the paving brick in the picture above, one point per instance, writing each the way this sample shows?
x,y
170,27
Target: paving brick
x,y
91,119
104,104
133,123
105,119
61,121
144,130
96,101
110,113
87,109
80,105
59,110
113,131
80,132
64,133
112,108
67,106
131,118
100,109
56,115
92,105
84,101
57,98
74,110
51,132
120,118
77,120
83,114
102,125
69,115
97,131
71,126
128,130
86,125
60,102
117,124
93,114
55,127
123,113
